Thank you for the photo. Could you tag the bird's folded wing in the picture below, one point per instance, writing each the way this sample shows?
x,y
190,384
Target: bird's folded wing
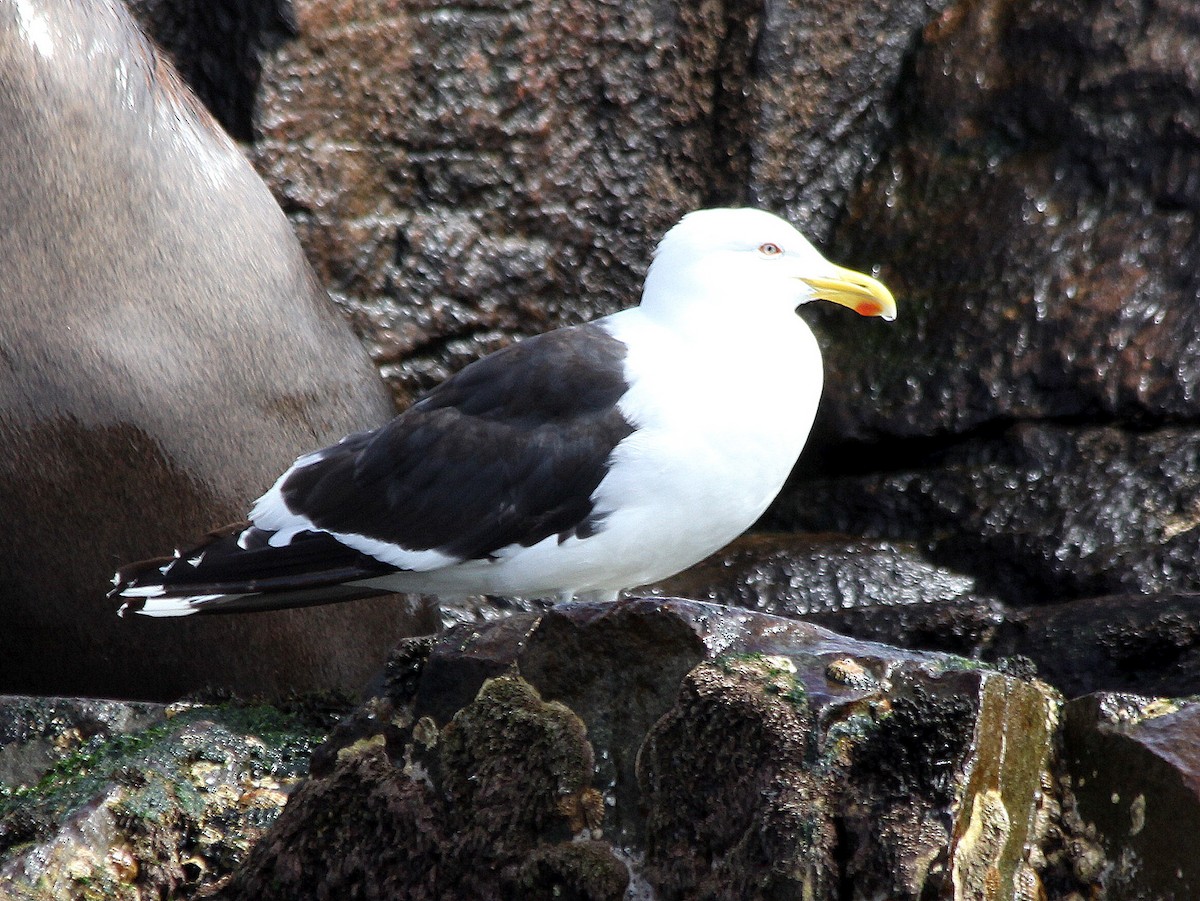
x,y
506,452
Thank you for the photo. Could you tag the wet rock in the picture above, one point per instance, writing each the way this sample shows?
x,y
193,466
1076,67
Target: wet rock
x,y
872,590
460,817
37,732
676,747
739,733
1038,214
464,175
167,352
1134,776
485,608
1023,170
1145,644
821,106
168,809
1037,513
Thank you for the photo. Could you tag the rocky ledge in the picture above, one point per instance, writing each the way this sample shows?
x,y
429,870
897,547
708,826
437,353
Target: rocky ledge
x,y
668,749
654,748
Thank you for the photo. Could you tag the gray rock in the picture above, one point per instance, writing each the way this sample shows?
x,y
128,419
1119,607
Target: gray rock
x,y
872,590
35,733
167,809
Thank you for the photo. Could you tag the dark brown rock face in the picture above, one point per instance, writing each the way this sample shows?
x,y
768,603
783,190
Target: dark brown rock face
x,y
1038,209
1032,423
1134,775
463,175
673,747
166,352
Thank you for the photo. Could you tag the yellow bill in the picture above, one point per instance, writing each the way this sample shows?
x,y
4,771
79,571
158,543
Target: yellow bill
x,y
863,294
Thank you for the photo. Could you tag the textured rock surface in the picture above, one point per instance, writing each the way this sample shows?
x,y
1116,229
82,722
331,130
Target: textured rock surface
x,y
1024,170
1037,513
869,589
463,174
1038,211
35,733
878,591
155,803
1147,644
675,746
1133,773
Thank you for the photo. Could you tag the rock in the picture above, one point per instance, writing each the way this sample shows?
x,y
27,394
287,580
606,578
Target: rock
x,y
1035,217
668,747
1036,514
817,105
1030,423
167,809
872,590
464,176
510,766
37,732
1134,776
1145,644
167,353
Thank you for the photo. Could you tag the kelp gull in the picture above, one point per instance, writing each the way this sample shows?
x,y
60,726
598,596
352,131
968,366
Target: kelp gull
x,y
577,463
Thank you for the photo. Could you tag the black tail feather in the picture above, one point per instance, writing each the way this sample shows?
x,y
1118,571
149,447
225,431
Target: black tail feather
x,y
236,569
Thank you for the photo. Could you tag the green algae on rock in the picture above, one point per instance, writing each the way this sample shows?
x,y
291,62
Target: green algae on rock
x,y
170,808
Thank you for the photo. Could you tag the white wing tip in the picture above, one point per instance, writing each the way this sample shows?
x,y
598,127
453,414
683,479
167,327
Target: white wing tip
x,y
161,607
143,591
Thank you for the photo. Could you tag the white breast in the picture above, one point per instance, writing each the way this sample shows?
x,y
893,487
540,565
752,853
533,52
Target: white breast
x,y
718,430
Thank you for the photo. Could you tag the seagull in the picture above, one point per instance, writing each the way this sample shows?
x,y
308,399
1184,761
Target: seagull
x,y
578,463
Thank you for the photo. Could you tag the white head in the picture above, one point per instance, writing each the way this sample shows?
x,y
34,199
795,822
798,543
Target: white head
x,y
752,257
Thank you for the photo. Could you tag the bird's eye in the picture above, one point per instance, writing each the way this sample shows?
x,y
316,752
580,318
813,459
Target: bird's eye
x,y
770,250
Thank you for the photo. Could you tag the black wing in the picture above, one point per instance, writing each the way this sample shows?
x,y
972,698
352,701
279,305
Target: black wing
x,y
508,451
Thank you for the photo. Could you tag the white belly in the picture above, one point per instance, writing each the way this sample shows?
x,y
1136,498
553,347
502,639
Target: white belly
x,y
712,449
